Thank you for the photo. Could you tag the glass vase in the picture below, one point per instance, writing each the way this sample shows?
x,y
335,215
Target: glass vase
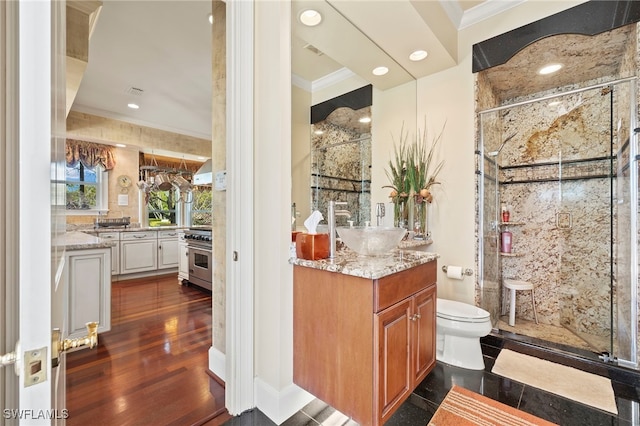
x,y
400,213
420,220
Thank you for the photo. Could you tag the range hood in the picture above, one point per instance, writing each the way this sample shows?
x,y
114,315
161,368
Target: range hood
x,y
203,176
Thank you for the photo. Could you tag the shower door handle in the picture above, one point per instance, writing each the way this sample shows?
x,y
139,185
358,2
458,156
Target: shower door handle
x,y
564,220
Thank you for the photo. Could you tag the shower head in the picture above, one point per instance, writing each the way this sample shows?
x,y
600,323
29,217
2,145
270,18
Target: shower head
x,y
495,153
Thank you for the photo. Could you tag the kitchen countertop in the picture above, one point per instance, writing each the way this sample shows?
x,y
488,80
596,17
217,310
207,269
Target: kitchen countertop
x,y
76,240
349,263
90,228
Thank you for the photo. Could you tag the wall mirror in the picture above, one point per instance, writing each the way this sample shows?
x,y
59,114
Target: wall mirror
x,y
330,61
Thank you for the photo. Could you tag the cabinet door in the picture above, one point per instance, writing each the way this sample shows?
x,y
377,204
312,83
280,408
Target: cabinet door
x,y
183,261
115,250
89,290
393,369
425,333
168,253
138,256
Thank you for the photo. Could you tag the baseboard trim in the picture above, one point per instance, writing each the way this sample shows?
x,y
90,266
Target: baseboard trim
x,y
280,405
217,363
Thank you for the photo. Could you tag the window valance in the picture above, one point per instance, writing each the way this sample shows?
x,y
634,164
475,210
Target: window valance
x,y
89,154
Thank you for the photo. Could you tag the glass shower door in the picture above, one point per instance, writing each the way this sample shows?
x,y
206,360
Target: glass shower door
x,y
488,171
584,219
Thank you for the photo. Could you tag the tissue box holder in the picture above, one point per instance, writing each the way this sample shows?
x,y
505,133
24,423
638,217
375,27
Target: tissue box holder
x,y
312,246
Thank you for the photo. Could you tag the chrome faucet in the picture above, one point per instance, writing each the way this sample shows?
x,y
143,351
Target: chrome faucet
x,y
332,213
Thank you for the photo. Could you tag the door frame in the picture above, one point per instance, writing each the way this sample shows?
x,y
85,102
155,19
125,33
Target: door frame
x,y
239,357
9,195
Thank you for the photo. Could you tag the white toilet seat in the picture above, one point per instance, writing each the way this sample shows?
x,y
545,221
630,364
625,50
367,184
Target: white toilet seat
x,y
461,312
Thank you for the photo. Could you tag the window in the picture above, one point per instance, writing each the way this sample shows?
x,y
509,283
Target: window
x,y
201,206
86,188
161,207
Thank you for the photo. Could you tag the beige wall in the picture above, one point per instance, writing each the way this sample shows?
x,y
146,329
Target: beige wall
x,y
217,152
97,129
300,153
93,128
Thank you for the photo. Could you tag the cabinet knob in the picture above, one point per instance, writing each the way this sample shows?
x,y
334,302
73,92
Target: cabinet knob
x,y
415,317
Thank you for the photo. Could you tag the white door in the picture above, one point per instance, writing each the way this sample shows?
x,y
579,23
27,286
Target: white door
x,y
33,93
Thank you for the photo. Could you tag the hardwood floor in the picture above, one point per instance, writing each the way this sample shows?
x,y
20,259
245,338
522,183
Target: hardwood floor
x,y
151,368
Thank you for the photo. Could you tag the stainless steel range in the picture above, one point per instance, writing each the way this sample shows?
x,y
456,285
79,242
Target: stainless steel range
x,y
200,256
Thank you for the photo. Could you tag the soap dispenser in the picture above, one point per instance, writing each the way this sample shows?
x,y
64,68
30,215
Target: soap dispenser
x,y
506,241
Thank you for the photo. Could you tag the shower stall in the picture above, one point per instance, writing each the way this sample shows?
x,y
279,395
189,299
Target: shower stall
x,y
565,165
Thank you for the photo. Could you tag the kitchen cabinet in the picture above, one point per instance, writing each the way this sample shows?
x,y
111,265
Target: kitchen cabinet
x,y
88,278
115,250
167,249
138,251
362,345
183,258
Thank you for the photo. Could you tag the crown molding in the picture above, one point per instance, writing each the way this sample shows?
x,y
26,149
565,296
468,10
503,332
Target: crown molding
x,y
300,82
486,10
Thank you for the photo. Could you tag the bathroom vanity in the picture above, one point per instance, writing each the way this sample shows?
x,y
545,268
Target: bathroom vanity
x,y
364,330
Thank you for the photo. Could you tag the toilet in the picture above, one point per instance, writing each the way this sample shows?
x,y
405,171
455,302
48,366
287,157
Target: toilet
x,y
459,329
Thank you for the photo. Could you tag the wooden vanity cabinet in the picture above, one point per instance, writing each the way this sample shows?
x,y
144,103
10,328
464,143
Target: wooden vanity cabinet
x,y
363,345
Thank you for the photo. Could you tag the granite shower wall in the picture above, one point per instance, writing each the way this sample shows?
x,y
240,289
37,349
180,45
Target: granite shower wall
x,y
341,171
584,198
554,174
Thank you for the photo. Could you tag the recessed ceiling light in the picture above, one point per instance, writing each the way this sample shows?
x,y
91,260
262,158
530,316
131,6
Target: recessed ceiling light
x,y
121,145
549,69
380,70
418,55
211,18
133,106
318,132
310,17
365,120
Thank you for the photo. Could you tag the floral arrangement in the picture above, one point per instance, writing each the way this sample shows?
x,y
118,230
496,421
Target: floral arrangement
x,y
412,172
397,172
420,174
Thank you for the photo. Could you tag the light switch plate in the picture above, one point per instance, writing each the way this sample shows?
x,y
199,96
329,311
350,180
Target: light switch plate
x,y
35,366
221,180
123,199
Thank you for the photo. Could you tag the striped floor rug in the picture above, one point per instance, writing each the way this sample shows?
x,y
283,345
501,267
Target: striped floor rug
x,y
568,382
462,407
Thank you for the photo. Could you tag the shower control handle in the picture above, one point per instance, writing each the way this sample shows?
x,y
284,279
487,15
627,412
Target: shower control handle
x,y
564,220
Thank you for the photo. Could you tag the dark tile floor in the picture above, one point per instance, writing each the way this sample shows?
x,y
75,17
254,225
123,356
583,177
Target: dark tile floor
x,y
422,404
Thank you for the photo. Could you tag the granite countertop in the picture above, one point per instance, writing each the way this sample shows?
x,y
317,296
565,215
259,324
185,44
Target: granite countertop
x,y
410,243
133,228
349,263
76,240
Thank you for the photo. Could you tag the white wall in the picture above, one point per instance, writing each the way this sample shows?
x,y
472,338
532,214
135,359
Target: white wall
x,y
275,393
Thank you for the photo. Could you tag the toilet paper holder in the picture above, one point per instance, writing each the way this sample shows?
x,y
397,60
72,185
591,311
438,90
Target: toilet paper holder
x,y
467,271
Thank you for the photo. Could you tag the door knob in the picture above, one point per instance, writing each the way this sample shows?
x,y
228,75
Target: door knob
x,y
59,345
12,358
